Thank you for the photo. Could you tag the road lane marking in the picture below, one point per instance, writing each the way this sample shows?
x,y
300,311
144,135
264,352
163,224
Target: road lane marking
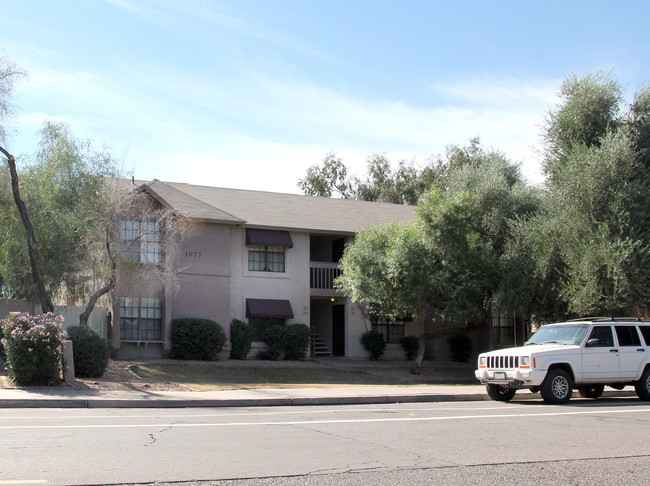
x,y
324,422
25,481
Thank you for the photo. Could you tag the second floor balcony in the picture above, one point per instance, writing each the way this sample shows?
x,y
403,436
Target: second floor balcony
x,y
321,278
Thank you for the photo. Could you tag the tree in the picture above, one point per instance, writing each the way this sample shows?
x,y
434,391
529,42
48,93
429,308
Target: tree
x,y
8,75
65,188
595,222
449,262
77,205
329,180
404,185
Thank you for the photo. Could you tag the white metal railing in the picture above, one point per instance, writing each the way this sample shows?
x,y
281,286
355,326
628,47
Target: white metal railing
x,y
322,275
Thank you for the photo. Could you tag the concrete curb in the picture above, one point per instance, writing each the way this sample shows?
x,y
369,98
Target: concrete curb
x,y
106,402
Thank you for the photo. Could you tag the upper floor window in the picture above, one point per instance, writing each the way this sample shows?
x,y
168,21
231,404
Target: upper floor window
x,y
267,250
266,259
140,241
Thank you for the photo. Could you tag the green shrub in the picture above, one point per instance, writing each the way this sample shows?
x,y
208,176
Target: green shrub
x,y
296,341
241,338
461,348
268,355
411,344
33,347
274,339
90,351
374,344
194,338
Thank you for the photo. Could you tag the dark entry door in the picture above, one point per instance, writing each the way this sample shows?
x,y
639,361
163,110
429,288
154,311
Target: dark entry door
x,y
338,330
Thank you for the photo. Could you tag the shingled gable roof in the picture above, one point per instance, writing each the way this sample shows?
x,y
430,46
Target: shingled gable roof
x,y
275,210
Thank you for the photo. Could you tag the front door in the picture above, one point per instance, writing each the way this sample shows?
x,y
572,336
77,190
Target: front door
x,y
338,330
600,362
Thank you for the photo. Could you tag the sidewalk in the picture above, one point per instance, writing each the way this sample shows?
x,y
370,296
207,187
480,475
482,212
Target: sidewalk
x,y
70,398
432,386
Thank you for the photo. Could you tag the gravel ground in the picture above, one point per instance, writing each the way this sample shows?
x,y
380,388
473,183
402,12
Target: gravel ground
x,y
119,377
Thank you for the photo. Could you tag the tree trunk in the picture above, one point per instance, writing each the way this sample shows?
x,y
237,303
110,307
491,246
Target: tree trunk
x,y
422,343
37,276
110,285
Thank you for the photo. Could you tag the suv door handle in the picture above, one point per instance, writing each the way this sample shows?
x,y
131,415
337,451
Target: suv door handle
x,y
613,350
641,350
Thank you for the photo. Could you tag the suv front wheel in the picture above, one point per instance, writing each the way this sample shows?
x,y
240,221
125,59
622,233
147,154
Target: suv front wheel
x,y
499,393
556,387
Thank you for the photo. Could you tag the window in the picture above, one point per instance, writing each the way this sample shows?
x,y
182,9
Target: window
x,y
645,330
627,336
393,331
140,319
266,259
604,336
140,241
503,330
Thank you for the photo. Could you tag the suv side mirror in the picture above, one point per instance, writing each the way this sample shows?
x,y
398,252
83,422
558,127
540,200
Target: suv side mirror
x,y
592,343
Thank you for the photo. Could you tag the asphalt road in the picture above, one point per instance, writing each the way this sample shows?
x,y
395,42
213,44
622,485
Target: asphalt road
x,y
585,442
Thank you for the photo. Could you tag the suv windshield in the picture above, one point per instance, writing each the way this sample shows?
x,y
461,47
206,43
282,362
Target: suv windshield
x,y
559,334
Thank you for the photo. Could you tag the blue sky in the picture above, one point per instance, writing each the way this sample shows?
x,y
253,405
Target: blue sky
x,y
249,94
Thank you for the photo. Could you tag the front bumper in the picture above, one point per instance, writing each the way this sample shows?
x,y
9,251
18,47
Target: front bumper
x,y
517,378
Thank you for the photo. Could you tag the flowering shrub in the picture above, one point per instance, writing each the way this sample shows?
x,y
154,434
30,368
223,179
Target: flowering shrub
x,y
34,348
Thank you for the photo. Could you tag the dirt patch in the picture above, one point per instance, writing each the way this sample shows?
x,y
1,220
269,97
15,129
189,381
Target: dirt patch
x,y
173,375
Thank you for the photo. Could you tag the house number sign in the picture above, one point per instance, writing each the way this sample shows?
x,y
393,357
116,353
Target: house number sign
x,y
193,254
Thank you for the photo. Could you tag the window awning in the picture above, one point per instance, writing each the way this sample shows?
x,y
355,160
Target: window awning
x,y
269,308
268,238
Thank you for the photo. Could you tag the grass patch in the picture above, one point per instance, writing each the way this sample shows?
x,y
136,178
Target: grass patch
x,y
212,378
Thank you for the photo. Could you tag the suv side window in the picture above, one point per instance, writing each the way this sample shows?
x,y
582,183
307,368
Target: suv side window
x,y
604,336
627,336
645,330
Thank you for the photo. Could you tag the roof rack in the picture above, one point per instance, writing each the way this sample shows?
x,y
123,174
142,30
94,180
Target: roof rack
x,y
609,319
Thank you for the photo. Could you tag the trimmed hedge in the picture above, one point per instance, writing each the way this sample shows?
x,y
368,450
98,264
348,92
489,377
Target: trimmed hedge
x,y
292,340
194,338
296,341
374,343
90,351
274,339
241,337
411,344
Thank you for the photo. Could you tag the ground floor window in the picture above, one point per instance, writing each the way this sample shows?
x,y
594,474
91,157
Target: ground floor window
x,y
503,330
259,324
140,319
393,331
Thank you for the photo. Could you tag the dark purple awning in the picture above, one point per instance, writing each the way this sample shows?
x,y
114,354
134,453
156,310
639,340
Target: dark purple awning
x,y
269,308
259,237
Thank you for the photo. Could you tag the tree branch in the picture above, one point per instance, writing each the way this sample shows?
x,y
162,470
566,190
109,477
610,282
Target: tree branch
x,y
37,276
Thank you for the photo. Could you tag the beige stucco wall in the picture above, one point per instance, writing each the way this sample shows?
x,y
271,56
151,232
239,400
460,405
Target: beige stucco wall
x,y
356,325
203,279
292,285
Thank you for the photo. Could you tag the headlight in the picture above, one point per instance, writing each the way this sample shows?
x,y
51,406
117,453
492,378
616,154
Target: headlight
x,y
482,360
524,362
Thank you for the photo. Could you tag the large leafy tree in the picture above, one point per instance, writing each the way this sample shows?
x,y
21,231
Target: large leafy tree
x,y
591,243
65,188
451,261
403,185
8,75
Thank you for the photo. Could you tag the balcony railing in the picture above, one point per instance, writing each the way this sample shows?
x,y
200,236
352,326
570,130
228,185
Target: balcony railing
x,y
321,278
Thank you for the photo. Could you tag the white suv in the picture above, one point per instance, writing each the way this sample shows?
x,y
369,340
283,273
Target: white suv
x,y
586,354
